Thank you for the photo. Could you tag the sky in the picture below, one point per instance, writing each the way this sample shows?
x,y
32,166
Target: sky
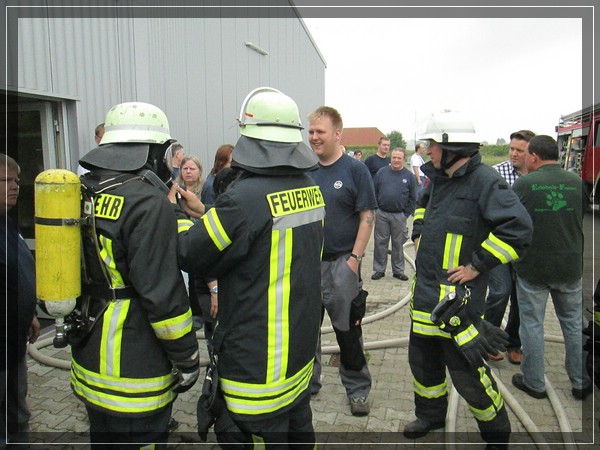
x,y
506,74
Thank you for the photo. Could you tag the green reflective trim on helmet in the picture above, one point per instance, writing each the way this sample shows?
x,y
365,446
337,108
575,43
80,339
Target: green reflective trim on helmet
x,y
136,122
270,115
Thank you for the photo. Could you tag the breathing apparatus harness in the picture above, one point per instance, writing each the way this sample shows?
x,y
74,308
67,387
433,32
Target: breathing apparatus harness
x,y
97,290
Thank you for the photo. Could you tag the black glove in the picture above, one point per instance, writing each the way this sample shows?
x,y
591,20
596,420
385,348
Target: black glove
x,y
473,345
497,338
451,316
187,372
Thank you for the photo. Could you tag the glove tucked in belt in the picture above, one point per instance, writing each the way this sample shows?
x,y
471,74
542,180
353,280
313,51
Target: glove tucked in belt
x,y
451,316
188,372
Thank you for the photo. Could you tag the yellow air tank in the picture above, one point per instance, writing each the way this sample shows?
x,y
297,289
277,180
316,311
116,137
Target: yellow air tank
x,y
58,244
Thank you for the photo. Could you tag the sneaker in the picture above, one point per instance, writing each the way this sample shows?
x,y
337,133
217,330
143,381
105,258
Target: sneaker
x,y
377,275
519,383
581,394
359,406
515,356
401,276
493,357
419,428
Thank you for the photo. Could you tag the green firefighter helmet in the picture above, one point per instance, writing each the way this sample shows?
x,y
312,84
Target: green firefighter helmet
x,y
270,115
136,122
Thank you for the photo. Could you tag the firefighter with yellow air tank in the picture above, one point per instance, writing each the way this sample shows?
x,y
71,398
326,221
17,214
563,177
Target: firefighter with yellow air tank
x,y
262,240
133,348
466,222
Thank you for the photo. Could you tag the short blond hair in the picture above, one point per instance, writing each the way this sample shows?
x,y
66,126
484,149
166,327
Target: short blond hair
x,y
7,161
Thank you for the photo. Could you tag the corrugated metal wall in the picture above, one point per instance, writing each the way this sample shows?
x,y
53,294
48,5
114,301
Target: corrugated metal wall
x,y
198,70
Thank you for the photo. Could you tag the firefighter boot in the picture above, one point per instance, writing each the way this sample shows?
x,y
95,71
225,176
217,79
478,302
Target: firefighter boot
x,y
419,428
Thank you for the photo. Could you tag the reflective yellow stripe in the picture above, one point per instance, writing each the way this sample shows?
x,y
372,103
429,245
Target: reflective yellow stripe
x,y
215,229
121,384
148,447
445,290
430,391
466,336
597,317
106,253
452,250
421,316
428,330
174,327
122,403
112,337
485,415
419,214
500,249
279,304
184,225
114,316
249,398
258,442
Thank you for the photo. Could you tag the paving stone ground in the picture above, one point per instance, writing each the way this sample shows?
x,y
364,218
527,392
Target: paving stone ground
x,y
59,420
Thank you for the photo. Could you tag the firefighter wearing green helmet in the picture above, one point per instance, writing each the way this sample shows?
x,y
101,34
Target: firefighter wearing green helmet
x,y
467,221
133,348
262,240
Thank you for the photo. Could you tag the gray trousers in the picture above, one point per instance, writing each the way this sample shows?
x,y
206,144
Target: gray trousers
x,y
339,286
389,225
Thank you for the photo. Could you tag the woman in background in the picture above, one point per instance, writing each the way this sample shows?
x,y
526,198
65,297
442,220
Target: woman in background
x,y
222,159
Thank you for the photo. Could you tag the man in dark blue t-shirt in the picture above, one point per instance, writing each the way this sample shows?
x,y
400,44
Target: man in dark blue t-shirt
x,y
379,159
349,216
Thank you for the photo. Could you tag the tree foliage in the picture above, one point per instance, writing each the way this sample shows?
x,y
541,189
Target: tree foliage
x,y
396,139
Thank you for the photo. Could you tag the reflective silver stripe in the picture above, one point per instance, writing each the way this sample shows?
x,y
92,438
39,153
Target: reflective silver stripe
x,y
430,391
422,316
130,385
298,219
111,345
276,317
136,127
122,403
258,390
215,229
501,250
466,336
429,330
174,327
263,406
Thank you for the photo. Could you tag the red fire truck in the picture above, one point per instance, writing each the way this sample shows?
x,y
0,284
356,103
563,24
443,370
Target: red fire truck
x,y
579,147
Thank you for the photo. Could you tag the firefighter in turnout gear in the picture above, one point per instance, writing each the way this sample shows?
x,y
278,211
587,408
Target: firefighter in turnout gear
x,y
134,349
262,240
467,221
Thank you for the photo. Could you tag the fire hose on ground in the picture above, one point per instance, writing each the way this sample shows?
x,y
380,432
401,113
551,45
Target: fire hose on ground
x,y
454,398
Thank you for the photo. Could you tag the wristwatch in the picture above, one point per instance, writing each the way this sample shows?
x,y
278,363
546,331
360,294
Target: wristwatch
x,y
356,257
214,290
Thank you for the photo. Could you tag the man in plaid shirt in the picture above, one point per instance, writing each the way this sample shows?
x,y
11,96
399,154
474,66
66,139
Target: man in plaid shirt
x,y
501,278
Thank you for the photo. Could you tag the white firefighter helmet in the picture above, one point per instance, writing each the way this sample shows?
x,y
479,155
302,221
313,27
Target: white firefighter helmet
x,y
452,130
134,133
136,122
448,126
270,115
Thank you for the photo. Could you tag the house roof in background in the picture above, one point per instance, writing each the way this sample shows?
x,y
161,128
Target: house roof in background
x,y
361,136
